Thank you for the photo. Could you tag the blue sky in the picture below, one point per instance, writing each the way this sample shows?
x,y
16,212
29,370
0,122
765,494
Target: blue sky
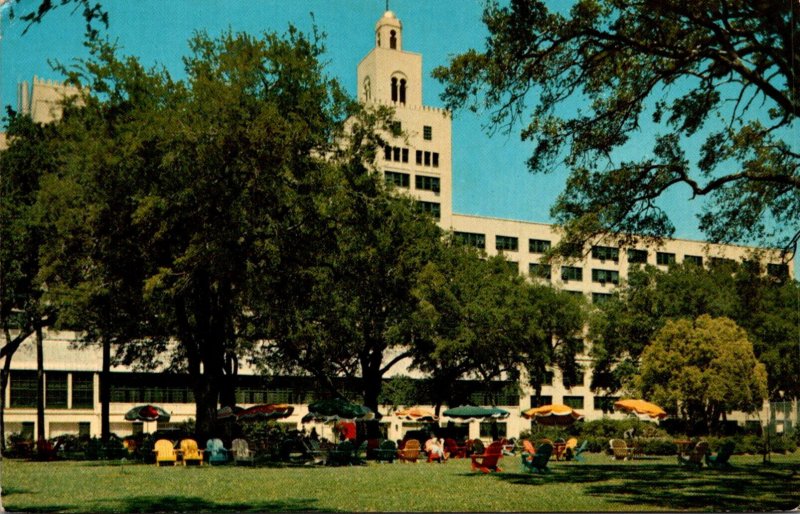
x,y
489,173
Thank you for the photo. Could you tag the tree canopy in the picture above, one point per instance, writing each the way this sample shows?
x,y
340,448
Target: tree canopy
x,y
766,307
702,369
718,80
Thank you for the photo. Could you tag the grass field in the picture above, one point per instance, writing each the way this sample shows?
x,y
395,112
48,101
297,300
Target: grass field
x,y
599,484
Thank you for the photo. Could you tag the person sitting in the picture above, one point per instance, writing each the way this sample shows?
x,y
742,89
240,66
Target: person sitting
x,y
435,449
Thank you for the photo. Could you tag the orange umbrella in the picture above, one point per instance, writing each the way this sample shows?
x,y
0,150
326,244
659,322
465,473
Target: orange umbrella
x,y
641,408
553,415
416,413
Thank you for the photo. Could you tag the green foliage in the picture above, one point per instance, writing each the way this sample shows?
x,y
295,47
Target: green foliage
x,y
701,369
765,307
715,72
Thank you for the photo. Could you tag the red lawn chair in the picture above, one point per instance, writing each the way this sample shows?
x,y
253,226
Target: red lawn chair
x,y
487,462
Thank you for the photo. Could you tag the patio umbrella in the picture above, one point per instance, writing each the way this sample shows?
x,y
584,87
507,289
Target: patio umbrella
x,y
472,412
334,409
642,409
229,412
265,412
553,415
147,413
416,413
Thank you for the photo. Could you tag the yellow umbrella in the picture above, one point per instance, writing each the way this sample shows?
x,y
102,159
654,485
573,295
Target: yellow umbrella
x,y
416,413
554,415
641,408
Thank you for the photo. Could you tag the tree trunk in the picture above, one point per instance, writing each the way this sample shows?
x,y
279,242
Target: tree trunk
x,y
39,385
206,395
105,392
4,374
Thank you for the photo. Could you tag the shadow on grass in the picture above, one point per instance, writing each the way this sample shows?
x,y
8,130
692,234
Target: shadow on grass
x,y
157,504
742,488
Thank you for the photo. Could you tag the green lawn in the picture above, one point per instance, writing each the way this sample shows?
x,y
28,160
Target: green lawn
x,y
597,485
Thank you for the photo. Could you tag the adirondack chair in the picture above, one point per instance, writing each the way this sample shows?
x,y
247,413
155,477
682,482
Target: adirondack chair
x,y
694,459
191,453
538,463
386,452
360,453
165,452
342,455
216,451
409,452
720,460
241,452
576,453
452,447
528,451
487,461
316,454
619,450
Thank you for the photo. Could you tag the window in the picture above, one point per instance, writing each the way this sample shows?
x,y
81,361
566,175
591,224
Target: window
x,y
471,239
387,153
27,430
493,429
571,273
402,91
540,270
55,390
605,253
396,154
665,259
538,245
578,381
427,183
150,388
435,159
507,243
394,89
573,293
367,89
512,266
543,400
432,208
576,402
427,160
427,133
419,157
393,40
779,271
599,298
605,403
397,179
693,259
405,155
85,428
605,275
23,388
82,391
637,256
721,261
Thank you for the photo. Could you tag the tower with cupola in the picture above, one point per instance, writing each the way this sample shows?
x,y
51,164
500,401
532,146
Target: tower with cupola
x,y
420,161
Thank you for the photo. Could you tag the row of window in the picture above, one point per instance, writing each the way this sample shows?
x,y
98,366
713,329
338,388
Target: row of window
x,y
603,403
23,390
568,273
421,182
422,158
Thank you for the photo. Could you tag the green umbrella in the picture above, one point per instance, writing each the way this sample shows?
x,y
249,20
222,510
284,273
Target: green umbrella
x,y
334,409
470,412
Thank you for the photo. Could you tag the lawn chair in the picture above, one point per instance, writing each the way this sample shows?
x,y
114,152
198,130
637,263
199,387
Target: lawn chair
x,y
241,452
165,452
216,451
720,460
455,451
576,453
386,452
619,450
528,451
342,455
191,453
315,452
487,462
569,448
409,452
694,459
538,462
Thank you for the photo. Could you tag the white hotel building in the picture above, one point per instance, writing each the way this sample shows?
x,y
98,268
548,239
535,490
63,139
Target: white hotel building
x,y
419,163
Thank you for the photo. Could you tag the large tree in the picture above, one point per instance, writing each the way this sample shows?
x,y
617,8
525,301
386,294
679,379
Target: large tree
x,y
716,76
763,305
478,317
702,369
184,188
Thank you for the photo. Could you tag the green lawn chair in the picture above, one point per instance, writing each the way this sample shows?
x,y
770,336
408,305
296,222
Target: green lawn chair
x,y
694,459
342,455
538,464
576,453
720,460
386,452
216,451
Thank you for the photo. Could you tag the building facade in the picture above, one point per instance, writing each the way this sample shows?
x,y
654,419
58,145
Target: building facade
x,y
419,163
